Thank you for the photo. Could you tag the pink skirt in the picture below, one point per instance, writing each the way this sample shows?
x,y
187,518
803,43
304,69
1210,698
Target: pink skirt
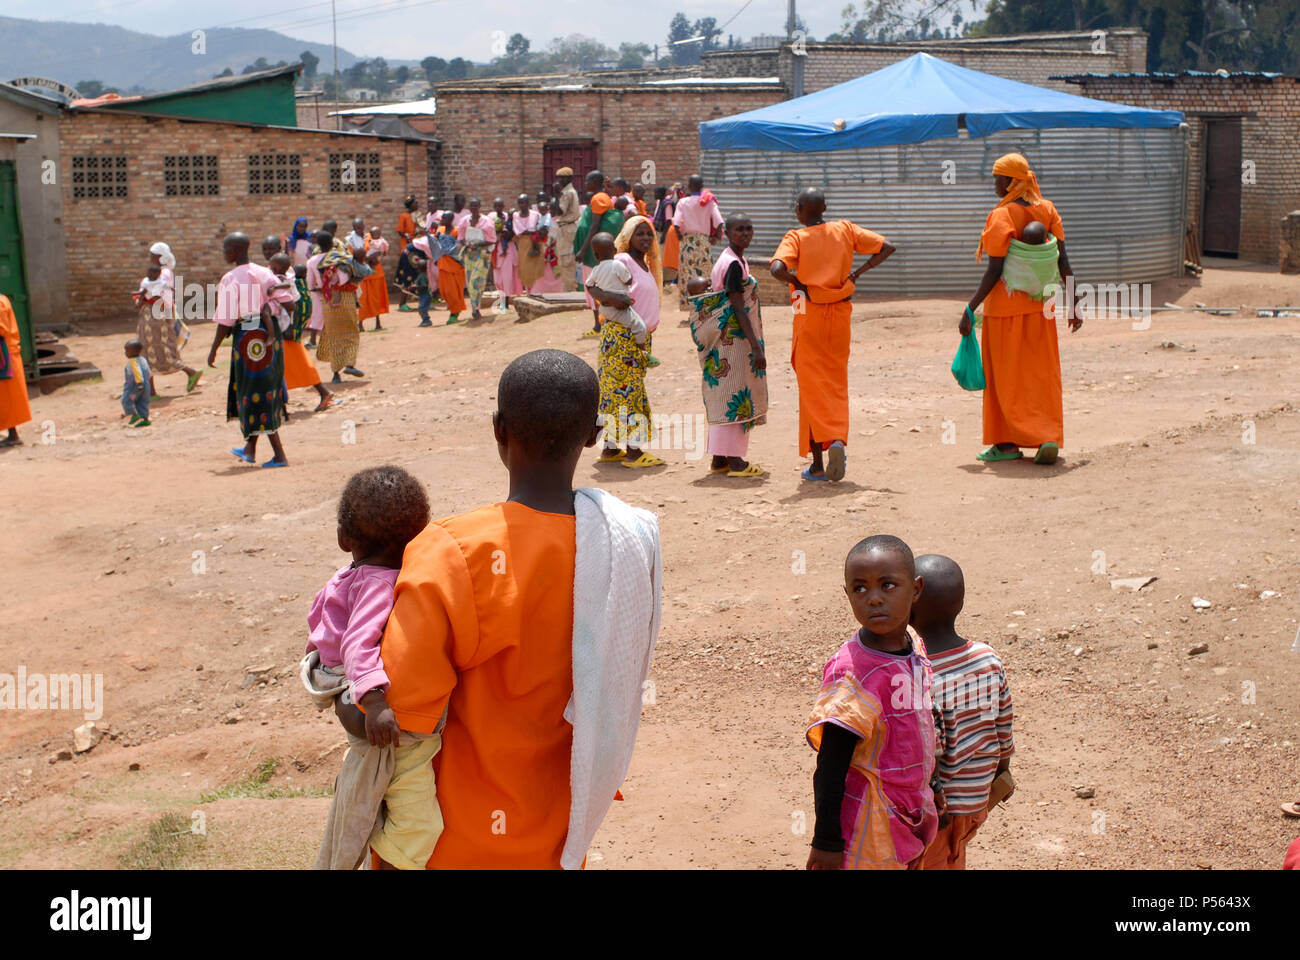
x,y
728,439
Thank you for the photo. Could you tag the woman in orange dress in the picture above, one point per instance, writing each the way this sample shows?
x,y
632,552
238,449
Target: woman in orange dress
x,y
14,408
373,290
1022,363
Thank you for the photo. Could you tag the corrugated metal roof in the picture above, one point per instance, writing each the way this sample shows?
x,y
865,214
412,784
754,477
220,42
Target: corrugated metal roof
x,y
1225,74
713,81
217,83
411,108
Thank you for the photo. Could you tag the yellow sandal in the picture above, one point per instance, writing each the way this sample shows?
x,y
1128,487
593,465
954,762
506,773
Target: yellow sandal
x,y
753,470
645,460
613,457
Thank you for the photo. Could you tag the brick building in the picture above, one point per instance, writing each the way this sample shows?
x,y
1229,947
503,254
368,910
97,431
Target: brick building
x,y
129,180
505,135
1243,168
1037,58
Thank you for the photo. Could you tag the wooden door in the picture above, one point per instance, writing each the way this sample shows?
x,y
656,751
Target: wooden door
x,y
1221,202
13,274
578,154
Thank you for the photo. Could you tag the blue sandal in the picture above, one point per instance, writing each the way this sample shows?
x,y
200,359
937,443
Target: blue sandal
x,y
835,460
239,452
812,476
275,463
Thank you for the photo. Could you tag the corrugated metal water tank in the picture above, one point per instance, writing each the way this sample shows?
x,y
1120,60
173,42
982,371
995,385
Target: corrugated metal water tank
x,y
1120,193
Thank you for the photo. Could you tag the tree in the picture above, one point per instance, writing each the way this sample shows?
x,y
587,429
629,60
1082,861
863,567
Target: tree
x,y
458,69
578,51
93,88
887,21
309,64
680,29
402,74
517,47
632,55
434,68
1182,34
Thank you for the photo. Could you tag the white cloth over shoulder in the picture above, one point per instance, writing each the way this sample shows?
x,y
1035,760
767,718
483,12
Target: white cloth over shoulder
x,y
617,582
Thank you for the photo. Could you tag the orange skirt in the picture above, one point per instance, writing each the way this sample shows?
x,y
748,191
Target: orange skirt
x,y
14,408
299,371
671,247
820,357
373,294
451,284
1022,374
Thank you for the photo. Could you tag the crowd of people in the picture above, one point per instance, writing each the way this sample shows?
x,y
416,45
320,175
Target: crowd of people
x,y
422,608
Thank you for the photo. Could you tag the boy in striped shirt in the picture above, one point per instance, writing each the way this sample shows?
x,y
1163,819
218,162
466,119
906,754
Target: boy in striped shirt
x,y
971,696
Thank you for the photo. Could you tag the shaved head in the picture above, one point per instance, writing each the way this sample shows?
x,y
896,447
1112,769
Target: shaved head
x,y
547,400
602,245
812,197
944,594
883,543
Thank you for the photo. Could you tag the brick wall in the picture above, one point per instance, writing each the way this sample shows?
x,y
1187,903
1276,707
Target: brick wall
x,y
1031,58
1270,127
493,139
108,239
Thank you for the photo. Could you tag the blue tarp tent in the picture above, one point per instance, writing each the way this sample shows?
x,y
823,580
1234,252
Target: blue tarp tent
x,y
917,99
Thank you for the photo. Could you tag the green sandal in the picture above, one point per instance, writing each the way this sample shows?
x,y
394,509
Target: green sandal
x,y
1047,453
992,454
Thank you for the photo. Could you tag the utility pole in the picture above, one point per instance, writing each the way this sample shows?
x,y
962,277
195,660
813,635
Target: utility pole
x,y
790,21
338,121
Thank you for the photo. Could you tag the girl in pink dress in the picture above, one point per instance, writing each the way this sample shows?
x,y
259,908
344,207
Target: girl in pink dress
x,y
873,726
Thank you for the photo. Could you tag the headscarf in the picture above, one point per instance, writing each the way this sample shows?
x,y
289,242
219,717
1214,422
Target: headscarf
x,y
1023,182
600,204
1023,185
299,231
624,240
164,253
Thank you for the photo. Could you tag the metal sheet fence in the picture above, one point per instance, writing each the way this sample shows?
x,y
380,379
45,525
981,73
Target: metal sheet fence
x,y
1121,196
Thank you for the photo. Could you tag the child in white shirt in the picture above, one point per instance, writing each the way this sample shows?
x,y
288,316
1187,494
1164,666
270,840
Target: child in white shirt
x,y
610,285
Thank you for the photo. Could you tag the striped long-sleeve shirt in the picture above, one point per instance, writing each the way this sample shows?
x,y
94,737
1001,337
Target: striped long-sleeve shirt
x,y
972,696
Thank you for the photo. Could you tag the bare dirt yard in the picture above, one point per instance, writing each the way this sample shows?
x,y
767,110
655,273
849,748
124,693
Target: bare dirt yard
x,y
155,558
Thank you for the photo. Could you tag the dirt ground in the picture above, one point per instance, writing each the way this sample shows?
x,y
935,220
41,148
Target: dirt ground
x,y
183,576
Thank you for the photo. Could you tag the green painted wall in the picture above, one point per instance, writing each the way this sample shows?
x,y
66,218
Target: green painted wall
x,y
268,101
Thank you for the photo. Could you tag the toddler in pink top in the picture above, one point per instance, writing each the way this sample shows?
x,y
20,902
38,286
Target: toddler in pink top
x,y
380,512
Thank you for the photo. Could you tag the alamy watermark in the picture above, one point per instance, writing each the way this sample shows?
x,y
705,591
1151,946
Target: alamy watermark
x,y
53,691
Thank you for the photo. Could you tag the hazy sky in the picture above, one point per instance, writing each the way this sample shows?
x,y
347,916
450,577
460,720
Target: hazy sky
x,y
411,29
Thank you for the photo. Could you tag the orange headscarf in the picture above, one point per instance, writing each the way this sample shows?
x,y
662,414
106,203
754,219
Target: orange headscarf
x,y
652,259
600,204
1023,185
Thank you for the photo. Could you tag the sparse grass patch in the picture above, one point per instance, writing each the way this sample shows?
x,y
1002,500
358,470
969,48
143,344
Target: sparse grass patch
x,y
164,846
256,786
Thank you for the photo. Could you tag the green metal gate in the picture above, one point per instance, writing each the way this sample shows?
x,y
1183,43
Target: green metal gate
x,y
13,276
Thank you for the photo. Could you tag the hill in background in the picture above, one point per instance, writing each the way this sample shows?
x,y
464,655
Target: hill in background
x,y
72,52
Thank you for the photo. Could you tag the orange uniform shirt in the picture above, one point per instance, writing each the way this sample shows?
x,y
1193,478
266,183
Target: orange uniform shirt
x,y
822,257
482,625
1003,224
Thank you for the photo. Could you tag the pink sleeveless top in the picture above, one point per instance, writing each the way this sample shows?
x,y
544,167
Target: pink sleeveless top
x,y
725,260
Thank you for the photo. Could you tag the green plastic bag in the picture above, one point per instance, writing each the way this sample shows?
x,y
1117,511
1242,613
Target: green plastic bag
x,y
967,366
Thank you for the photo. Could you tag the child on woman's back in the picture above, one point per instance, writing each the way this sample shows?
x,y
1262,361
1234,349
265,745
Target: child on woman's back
x,y
872,725
381,510
974,704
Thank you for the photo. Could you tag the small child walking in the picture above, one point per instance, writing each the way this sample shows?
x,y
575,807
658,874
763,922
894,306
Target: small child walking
x,y
973,701
872,725
381,511
135,386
